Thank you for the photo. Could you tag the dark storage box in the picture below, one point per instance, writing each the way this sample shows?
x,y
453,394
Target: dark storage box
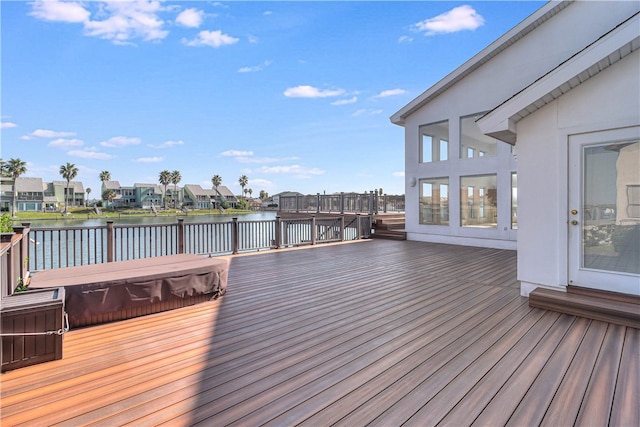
x,y
32,327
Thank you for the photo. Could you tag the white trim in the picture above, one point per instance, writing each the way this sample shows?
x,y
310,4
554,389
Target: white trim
x,y
501,122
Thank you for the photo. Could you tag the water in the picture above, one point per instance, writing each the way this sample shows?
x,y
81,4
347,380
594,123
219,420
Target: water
x,y
144,220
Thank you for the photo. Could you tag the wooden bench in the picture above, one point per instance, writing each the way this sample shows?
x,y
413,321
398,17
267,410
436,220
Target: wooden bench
x,y
100,293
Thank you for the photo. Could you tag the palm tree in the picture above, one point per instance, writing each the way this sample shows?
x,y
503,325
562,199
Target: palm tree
x,y
105,176
243,181
88,190
14,168
68,172
109,195
165,179
216,181
175,179
250,192
263,195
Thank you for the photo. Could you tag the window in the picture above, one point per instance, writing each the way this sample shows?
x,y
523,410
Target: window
x,y
474,143
434,142
479,201
434,201
514,201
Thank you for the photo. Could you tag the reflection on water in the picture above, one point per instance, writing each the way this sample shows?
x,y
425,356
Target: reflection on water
x,y
144,220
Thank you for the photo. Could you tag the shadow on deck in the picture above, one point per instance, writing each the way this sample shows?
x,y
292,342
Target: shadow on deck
x,y
371,332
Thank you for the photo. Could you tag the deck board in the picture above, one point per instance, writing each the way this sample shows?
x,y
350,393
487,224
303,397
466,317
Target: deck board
x,y
377,332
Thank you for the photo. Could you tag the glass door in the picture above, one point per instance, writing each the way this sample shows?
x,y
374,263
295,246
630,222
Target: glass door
x,y
604,210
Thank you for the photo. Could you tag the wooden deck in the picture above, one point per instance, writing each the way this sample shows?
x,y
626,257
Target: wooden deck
x,y
373,332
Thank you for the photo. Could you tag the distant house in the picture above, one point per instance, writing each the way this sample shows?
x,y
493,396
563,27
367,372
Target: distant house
x,y
533,144
197,197
147,195
115,187
29,194
76,193
275,199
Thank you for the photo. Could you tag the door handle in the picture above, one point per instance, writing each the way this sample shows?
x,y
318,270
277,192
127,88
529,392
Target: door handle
x,y
574,212
574,222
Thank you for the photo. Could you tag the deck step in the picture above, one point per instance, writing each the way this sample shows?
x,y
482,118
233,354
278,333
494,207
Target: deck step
x,y
396,234
612,307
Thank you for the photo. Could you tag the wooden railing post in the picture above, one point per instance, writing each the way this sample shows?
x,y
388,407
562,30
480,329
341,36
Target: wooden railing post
x,y
234,235
317,202
278,241
24,247
358,226
313,230
180,248
110,241
342,227
371,201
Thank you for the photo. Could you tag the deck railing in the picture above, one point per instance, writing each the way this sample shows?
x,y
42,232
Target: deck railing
x,y
72,246
370,203
13,259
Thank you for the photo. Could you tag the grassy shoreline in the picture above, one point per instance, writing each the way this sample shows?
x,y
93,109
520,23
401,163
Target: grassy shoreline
x,y
88,213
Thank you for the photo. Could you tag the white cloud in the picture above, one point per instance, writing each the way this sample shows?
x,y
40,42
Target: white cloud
x,y
65,143
149,159
128,20
399,174
390,92
267,13
306,91
7,125
166,144
211,38
457,19
295,170
58,11
405,39
45,133
345,101
191,18
120,141
255,68
89,153
366,112
236,153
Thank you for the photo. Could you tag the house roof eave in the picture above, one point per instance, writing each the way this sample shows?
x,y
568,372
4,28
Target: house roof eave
x,y
516,33
501,122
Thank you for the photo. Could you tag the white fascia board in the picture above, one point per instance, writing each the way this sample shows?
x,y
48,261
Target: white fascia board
x,y
500,121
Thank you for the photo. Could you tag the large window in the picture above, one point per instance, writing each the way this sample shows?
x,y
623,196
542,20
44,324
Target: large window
x,y
434,201
474,143
479,201
434,142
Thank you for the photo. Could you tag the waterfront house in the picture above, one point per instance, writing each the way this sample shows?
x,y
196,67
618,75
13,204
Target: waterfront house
x,y
533,144
29,194
147,195
76,193
197,197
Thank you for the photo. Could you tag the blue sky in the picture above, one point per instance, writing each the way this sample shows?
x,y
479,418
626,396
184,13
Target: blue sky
x,y
295,95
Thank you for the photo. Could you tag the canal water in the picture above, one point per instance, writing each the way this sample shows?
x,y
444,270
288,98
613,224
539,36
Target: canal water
x,y
93,221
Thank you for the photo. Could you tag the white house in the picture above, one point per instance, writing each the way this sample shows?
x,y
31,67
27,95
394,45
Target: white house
x,y
533,144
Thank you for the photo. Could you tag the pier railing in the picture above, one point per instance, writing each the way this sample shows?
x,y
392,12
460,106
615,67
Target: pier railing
x,y
367,203
71,246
